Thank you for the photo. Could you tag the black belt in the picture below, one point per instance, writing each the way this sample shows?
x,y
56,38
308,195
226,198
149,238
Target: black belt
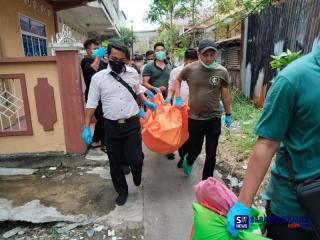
x,y
123,120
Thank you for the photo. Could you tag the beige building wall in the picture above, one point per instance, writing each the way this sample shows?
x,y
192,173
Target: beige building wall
x,y
10,35
41,141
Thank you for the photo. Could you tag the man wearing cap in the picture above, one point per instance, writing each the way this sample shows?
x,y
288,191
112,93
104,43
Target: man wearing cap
x,y
208,82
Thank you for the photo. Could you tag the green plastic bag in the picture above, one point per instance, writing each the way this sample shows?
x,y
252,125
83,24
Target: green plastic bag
x,y
208,226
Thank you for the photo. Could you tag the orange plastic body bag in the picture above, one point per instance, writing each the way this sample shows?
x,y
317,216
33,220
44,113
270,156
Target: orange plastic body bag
x,y
165,130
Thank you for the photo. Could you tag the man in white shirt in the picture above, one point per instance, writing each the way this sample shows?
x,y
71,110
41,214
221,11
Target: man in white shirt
x,y
190,56
121,117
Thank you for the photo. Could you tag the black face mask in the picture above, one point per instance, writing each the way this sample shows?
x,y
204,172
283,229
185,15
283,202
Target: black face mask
x,y
116,66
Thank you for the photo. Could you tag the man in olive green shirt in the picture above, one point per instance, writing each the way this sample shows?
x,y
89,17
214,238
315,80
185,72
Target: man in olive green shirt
x,y
156,73
290,127
208,82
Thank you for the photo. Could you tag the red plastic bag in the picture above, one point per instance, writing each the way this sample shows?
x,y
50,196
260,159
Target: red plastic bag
x,y
165,130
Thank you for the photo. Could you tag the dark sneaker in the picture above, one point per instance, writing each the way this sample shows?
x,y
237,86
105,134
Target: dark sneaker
x,y
180,163
170,156
137,179
121,199
126,170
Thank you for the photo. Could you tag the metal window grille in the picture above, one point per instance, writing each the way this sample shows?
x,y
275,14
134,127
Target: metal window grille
x,y
34,37
11,106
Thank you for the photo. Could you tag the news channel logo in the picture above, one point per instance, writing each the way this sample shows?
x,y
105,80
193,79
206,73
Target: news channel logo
x,y
241,221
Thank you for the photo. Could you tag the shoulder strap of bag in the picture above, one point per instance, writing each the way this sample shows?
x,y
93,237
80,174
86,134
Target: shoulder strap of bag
x,y
126,85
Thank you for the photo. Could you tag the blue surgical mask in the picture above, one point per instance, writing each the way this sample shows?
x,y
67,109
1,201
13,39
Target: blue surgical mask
x,y
161,55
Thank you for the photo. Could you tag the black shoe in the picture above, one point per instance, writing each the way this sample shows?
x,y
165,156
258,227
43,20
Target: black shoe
x,y
170,156
180,163
126,170
121,199
137,179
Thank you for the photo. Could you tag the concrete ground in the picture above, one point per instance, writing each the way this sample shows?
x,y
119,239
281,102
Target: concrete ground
x,y
168,195
82,197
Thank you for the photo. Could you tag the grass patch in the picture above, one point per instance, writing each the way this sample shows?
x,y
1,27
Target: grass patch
x,y
247,115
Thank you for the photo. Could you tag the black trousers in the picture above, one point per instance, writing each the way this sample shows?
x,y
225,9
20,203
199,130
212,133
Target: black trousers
x,y
183,150
124,146
98,134
198,129
283,232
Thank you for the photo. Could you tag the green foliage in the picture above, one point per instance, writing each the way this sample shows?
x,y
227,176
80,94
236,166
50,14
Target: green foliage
x,y
189,8
226,6
248,6
159,10
126,36
167,36
282,60
105,43
256,5
178,53
247,115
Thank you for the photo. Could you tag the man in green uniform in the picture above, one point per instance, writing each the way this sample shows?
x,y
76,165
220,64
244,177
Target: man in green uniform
x,y
208,82
290,127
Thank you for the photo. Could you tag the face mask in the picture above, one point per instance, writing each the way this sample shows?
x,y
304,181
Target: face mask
x,y
116,66
211,65
161,55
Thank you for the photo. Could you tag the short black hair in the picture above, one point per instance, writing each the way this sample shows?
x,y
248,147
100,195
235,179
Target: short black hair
x,y
120,47
191,54
90,41
138,57
149,52
161,44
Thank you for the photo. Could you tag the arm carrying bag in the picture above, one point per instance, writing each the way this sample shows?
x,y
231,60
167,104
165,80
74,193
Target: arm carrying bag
x,y
308,195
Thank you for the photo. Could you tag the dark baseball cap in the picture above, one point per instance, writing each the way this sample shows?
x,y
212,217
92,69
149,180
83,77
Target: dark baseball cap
x,y
206,44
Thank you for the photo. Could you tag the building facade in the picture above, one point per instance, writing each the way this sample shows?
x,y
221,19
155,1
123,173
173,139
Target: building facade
x,y
41,95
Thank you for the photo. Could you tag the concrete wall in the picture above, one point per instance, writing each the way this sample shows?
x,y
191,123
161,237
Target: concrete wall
x,y
40,141
10,35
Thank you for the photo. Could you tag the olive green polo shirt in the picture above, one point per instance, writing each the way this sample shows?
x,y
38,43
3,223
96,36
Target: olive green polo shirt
x,y
291,115
204,89
158,77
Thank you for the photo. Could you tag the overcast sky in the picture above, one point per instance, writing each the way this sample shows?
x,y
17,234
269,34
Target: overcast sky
x,y
136,10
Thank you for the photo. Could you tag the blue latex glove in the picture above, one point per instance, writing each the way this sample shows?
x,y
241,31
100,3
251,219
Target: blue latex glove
x,y
142,113
151,106
99,53
168,100
178,102
228,121
237,209
157,90
150,94
86,136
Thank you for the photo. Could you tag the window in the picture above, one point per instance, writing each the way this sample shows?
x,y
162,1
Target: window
x,y
34,37
14,107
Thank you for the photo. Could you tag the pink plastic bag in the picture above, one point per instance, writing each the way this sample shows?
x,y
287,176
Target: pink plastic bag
x,y
215,196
